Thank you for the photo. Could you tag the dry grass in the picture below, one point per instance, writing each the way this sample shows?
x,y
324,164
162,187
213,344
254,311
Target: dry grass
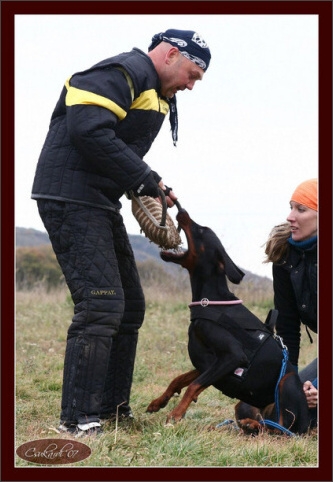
x,y
41,328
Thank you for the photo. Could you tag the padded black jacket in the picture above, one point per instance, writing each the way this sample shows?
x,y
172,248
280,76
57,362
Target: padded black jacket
x,y
295,296
105,121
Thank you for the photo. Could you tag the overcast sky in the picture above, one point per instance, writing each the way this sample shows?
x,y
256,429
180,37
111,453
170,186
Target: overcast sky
x,y
248,132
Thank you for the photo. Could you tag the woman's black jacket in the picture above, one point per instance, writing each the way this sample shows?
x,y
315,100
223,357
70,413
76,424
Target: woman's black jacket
x,y
295,296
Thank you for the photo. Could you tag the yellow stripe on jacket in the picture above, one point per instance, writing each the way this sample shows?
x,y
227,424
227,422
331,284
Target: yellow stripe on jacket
x,y
148,100
77,96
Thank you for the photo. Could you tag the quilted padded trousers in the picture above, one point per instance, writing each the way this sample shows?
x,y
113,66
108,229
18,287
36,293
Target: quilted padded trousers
x,y
97,260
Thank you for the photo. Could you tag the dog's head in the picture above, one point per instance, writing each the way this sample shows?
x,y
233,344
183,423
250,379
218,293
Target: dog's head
x,y
205,254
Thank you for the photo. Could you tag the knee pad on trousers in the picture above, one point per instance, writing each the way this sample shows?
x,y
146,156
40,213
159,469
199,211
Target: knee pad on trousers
x,y
97,317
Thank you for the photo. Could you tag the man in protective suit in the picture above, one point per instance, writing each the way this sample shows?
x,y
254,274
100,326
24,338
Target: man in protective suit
x,y
104,123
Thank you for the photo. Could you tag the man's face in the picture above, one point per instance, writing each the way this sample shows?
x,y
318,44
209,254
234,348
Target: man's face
x,y
179,73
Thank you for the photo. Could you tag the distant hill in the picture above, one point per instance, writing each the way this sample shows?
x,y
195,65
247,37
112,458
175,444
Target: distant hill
x,y
144,250
30,237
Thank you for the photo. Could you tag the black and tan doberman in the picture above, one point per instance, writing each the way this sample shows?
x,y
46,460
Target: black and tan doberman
x,y
230,348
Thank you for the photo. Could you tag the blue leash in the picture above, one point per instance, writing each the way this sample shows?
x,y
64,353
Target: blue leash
x,y
278,426
277,398
282,374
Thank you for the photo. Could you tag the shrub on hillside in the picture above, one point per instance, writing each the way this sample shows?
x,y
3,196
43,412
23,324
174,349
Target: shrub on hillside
x,y
36,266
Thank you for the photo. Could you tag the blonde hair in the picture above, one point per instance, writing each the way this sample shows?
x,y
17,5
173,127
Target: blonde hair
x,y
276,246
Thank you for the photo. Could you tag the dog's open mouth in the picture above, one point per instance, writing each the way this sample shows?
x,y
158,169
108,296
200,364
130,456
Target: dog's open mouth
x,y
177,255
172,255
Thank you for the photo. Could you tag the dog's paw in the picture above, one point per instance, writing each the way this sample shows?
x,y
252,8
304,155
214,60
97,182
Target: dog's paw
x,y
175,416
249,426
157,404
153,407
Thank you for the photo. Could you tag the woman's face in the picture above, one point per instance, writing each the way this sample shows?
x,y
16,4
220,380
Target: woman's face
x,y
303,221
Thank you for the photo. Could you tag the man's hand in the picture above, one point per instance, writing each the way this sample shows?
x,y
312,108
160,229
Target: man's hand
x,y
169,194
149,186
311,394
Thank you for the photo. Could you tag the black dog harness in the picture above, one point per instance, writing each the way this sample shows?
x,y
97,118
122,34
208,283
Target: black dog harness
x,y
251,339
250,334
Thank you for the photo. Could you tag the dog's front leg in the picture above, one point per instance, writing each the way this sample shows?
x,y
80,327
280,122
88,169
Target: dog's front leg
x,y
175,387
190,395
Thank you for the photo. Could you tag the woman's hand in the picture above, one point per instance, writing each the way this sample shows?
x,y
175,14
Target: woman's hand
x,y
311,394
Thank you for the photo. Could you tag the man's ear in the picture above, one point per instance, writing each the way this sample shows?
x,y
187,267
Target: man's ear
x,y
172,55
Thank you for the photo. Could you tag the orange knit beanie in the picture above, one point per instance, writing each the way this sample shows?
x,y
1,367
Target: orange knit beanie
x,y
307,194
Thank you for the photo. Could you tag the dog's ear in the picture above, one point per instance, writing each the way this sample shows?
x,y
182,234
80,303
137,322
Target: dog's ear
x,y
234,274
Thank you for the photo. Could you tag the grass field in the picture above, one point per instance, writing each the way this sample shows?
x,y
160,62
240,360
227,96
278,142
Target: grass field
x,y
42,320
